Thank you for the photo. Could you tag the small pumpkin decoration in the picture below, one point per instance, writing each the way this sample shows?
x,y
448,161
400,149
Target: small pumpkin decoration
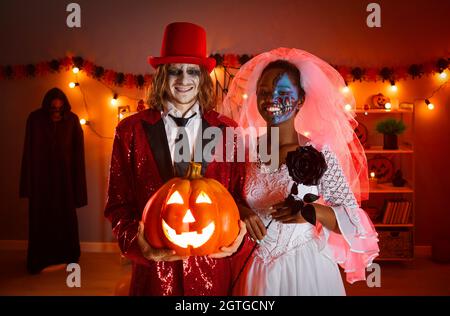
x,y
191,215
383,168
379,101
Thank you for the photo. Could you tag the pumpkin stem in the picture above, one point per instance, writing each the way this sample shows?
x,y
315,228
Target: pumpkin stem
x,y
193,171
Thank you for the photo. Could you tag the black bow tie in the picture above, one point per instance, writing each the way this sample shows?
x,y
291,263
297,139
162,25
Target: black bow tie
x,y
182,121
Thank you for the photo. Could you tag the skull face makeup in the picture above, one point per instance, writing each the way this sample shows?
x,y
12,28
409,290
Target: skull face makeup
x,y
184,80
277,96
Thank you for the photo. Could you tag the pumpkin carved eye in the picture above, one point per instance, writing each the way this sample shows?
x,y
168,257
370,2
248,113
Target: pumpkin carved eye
x,y
203,198
175,198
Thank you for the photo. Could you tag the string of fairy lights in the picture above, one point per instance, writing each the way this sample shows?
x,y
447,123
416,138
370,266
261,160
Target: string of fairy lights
x,y
114,102
226,63
442,75
223,87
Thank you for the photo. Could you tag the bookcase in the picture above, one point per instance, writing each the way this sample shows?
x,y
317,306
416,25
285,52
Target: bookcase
x,y
391,208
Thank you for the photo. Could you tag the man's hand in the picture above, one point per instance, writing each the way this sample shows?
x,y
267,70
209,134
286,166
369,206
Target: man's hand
x,y
255,226
285,215
152,253
228,251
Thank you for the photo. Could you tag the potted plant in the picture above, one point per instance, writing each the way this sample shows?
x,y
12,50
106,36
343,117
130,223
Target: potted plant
x,y
390,128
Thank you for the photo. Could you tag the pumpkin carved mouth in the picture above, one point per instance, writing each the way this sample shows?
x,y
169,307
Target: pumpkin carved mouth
x,y
187,239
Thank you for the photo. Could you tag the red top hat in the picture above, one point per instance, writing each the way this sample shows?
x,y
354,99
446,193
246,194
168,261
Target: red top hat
x,y
183,43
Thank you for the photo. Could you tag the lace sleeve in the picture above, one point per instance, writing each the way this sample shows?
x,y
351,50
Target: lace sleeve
x,y
334,185
357,244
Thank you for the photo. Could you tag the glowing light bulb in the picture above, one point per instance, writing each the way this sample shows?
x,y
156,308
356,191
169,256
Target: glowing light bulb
x,y
388,106
429,104
83,121
366,113
393,86
75,70
306,134
73,84
245,96
346,89
372,175
443,75
114,100
348,107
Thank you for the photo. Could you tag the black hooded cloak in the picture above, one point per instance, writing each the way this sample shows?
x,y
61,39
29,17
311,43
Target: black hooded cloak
x,y
53,179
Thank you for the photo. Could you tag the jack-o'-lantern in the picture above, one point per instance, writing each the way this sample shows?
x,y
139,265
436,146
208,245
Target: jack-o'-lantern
x,y
383,168
362,133
379,101
191,215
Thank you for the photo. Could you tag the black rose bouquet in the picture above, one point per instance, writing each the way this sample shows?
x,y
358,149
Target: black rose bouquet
x,y
306,165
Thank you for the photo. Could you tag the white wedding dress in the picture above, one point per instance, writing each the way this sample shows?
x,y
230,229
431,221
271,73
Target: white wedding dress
x,y
295,259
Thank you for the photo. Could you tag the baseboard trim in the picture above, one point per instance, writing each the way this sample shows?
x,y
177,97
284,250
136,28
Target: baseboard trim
x,y
99,247
86,246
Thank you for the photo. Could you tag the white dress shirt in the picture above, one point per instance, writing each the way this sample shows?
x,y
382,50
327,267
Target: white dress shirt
x,y
192,127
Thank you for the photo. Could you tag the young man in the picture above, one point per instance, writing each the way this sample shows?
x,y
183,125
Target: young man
x,y
146,154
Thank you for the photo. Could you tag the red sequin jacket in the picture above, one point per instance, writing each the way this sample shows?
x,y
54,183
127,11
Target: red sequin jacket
x,y
139,167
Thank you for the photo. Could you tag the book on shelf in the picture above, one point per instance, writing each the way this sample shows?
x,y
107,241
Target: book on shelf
x,y
396,212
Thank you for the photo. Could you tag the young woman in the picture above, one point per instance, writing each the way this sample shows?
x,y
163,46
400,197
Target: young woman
x,y
300,95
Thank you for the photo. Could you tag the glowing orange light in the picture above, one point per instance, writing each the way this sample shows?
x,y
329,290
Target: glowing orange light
x,y
73,84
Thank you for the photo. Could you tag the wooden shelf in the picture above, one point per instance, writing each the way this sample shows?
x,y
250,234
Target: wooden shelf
x,y
383,111
389,188
396,241
379,225
380,150
393,259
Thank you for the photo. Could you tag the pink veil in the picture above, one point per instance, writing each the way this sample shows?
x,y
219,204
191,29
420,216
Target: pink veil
x,y
326,117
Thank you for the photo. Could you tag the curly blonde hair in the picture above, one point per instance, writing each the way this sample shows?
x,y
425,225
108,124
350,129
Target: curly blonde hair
x,y
159,89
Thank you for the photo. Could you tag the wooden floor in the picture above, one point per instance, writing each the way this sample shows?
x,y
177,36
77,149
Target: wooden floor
x,y
102,272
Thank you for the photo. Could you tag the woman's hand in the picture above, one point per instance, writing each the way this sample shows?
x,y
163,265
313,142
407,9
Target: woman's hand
x,y
255,226
228,251
154,254
284,214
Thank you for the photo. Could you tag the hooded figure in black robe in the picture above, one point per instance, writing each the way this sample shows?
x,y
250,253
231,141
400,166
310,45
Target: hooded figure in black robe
x,y
53,179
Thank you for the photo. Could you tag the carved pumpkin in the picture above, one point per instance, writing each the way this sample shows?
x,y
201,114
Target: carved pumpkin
x,y
383,168
191,215
379,101
362,133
